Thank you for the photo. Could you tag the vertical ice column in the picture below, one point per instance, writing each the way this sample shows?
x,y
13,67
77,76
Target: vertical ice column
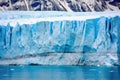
x,y
117,25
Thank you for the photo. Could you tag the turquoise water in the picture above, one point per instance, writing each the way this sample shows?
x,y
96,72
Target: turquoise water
x,y
59,73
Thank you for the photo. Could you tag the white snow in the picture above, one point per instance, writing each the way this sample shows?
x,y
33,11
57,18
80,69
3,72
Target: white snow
x,y
32,17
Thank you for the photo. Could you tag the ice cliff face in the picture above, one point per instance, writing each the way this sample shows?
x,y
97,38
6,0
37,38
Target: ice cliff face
x,y
95,38
60,5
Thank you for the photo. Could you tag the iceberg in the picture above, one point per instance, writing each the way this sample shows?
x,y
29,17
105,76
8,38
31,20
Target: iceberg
x,y
60,38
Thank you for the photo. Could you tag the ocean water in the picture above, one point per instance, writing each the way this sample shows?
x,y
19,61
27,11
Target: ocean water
x,y
59,73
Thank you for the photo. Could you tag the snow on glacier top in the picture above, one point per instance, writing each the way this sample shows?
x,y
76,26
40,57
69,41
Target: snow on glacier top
x,y
31,17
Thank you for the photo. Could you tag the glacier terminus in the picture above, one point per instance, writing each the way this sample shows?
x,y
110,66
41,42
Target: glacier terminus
x,y
60,38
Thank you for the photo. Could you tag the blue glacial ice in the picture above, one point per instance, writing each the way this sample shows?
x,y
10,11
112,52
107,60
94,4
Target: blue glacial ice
x,y
72,38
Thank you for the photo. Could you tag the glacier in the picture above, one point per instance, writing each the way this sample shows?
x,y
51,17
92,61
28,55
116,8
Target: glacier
x,y
59,38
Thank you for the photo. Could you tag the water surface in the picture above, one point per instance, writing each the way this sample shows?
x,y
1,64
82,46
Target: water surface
x,y
59,73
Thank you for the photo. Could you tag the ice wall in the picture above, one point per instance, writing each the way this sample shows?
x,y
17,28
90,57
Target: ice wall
x,y
91,34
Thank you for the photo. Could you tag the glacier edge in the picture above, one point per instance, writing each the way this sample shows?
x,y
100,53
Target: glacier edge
x,y
89,40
